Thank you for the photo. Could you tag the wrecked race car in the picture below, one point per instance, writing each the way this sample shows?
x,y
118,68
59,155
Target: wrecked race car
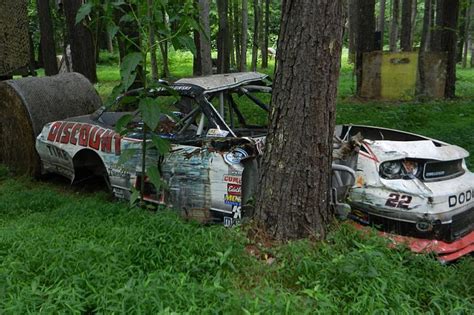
x,y
415,187
402,183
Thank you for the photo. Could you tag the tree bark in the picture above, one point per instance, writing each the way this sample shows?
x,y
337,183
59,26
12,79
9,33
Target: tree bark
x,y
425,34
152,41
223,51
468,42
256,22
294,191
394,26
405,36
365,35
352,16
414,13
204,38
436,34
381,22
237,32
243,45
266,35
466,36
48,46
447,20
82,45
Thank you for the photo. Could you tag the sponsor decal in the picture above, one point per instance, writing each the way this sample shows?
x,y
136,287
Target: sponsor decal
x,y
217,133
237,213
57,152
233,189
235,156
228,221
462,198
231,179
232,200
85,135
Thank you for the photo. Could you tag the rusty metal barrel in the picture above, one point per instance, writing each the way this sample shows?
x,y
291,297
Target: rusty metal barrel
x,y
29,103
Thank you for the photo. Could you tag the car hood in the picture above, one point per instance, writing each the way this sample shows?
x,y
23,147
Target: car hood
x,y
423,149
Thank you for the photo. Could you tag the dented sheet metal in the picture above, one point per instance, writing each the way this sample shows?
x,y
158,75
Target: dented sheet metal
x,y
413,187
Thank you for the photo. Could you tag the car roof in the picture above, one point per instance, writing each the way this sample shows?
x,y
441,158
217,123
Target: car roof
x,y
220,82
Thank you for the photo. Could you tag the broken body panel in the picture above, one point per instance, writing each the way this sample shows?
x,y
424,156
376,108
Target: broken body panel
x,y
405,183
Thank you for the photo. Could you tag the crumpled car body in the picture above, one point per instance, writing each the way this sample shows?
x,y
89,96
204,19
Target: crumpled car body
x,y
414,186
402,183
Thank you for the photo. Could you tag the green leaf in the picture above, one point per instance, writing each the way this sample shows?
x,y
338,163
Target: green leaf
x,y
150,111
126,18
185,41
154,176
127,155
83,11
162,145
134,197
121,125
112,29
128,67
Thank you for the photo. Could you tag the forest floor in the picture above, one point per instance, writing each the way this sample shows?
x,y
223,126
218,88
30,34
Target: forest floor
x,y
66,251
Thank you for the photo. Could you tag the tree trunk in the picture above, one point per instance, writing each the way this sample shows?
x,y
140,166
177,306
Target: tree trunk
x,y
468,43
230,19
394,26
245,27
204,38
48,47
256,15
423,46
365,35
110,43
436,34
472,52
381,22
80,39
352,16
414,14
447,24
294,191
152,41
237,32
223,52
405,36
266,35
164,57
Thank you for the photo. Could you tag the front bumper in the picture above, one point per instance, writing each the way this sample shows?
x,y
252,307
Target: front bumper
x,y
430,227
445,252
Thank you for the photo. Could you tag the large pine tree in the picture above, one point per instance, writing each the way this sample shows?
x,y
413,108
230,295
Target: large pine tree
x,y
293,197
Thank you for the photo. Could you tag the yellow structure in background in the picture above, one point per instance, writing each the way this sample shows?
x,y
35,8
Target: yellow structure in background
x,y
399,75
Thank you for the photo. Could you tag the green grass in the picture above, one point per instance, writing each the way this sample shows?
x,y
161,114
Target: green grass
x,y
65,252
60,252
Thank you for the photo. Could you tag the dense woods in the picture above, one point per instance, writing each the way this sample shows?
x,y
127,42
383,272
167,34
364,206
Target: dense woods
x,y
242,33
